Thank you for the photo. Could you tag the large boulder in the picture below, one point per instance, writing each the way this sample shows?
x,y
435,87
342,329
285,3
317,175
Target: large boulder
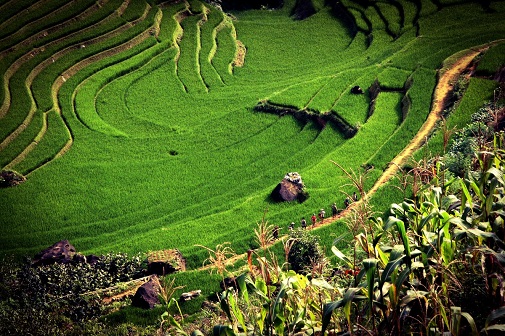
x,y
62,252
291,188
165,262
147,295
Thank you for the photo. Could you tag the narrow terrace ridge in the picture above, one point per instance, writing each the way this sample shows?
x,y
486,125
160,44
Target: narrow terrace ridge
x,y
14,67
40,21
67,74
25,58
54,29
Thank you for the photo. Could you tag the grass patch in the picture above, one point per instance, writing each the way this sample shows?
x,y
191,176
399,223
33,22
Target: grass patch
x,y
198,166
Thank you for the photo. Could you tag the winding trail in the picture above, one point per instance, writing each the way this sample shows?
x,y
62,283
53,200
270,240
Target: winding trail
x,y
447,78
440,96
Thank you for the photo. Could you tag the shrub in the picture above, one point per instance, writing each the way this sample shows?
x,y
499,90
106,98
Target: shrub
x,y
59,295
305,251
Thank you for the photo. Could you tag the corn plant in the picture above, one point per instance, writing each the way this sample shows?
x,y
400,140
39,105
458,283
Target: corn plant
x,y
218,258
292,304
167,290
404,287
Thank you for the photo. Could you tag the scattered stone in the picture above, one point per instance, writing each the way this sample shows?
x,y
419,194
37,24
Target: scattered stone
x,y
147,295
210,306
62,252
9,178
82,259
356,90
190,295
165,262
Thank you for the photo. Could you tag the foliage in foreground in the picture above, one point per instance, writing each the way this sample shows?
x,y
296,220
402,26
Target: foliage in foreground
x,y
57,298
412,269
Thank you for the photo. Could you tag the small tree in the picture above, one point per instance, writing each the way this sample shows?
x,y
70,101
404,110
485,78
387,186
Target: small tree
x,y
305,251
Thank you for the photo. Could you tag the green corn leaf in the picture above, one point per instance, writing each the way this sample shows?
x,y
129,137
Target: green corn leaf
x,y
495,314
443,313
389,269
241,281
370,265
396,252
224,303
384,258
236,311
465,197
471,323
328,308
401,229
390,222
261,286
414,295
500,327
342,256
402,277
477,190
321,283
448,247
424,221
498,174
222,330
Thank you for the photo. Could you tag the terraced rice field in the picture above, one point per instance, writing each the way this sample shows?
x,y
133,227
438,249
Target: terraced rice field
x,y
137,123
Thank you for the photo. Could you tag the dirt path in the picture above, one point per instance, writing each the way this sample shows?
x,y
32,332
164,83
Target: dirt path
x,y
440,96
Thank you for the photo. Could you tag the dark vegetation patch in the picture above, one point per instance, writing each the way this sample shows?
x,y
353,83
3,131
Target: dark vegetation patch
x,y
303,9
228,5
343,14
306,115
9,178
500,75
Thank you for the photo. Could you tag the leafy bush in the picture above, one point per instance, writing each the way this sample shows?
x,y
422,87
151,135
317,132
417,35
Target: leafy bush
x,y
59,295
305,251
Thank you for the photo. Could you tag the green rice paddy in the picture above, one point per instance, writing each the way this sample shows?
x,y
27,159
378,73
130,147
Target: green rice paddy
x,y
134,121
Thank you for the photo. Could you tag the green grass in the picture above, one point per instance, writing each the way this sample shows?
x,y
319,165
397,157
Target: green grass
x,y
134,10
48,146
20,20
189,61
392,16
479,91
22,141
154,166
49,50
46,15
492,60
21,101
225,53
392,78
208,48
362,23
417,112
12,7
